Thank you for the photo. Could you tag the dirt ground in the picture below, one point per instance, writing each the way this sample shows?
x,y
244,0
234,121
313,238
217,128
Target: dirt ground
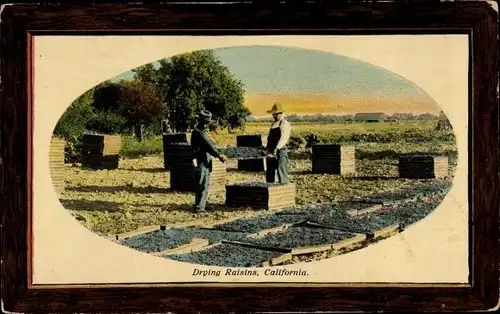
x,y
138,194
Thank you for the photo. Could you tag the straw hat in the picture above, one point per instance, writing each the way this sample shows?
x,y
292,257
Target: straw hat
x,y
277,108
205,115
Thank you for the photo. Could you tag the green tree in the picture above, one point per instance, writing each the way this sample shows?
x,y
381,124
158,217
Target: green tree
x,y
76,116
106,96
73,123
107,122
146,74
128,104
106,119
190,82
139,104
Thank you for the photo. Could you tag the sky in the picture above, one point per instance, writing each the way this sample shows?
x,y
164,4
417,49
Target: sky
x,y
268,71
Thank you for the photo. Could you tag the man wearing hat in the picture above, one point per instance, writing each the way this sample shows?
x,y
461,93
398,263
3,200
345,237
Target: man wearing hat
x,y
279,134
203,150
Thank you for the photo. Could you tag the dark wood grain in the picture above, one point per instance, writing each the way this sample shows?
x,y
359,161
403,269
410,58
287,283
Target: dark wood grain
x,y
15,161
483,145
373,17
20,22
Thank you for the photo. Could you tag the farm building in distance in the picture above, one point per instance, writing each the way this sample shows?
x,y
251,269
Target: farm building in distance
x,y
370,116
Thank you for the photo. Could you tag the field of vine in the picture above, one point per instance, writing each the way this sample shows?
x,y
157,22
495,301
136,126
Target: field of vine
x,y
373,140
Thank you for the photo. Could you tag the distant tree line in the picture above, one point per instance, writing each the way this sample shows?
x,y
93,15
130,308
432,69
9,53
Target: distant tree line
x,y
348,118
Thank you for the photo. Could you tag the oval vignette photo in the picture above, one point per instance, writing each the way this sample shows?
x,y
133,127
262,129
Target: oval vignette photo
x,y
252,156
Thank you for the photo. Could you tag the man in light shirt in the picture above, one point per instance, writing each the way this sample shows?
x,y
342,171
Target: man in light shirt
x,y
278,137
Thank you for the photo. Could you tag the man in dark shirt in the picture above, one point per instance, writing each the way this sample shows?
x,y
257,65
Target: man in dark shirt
x,y
203,150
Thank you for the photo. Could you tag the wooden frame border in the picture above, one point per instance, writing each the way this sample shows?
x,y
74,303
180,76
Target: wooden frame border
x,y
21,22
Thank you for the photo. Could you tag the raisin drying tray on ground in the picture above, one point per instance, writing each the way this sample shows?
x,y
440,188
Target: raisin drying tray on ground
x,y
231,255
227,255
161,240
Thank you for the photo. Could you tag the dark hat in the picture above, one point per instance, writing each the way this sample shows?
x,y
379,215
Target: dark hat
x,y
277,108
205,115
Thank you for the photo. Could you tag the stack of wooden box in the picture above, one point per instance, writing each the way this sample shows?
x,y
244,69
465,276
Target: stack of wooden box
x,y
270,196
168,139
101,151
251,164
422,166
183,171
56,164
334,159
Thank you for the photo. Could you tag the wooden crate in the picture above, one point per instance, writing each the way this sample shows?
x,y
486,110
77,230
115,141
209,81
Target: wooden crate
x,y
333,159
254,164
415,166
102,162
56,164
101,151
260,195
249,140
105,145
168,139
183,175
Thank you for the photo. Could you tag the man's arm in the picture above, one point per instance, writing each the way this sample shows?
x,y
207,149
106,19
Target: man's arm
x,y
209,146
286,130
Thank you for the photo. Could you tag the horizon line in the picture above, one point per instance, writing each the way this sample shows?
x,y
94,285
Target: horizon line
x,y
345,114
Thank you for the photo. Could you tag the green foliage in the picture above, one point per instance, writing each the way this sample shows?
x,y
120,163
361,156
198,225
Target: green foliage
x,y
127,105
138,102
146,74
131,147
194,81
311,140
153,128
107,122
73,123
444,125
412,136
74,119
296,142
106,96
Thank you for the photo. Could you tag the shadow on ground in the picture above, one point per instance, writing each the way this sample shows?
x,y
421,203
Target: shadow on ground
x,y
391,154
301,172
371,178
91,205
120,188
244,171
210,208
151,170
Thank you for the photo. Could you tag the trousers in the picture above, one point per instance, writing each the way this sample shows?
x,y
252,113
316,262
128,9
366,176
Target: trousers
x,y
202,183
279,165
